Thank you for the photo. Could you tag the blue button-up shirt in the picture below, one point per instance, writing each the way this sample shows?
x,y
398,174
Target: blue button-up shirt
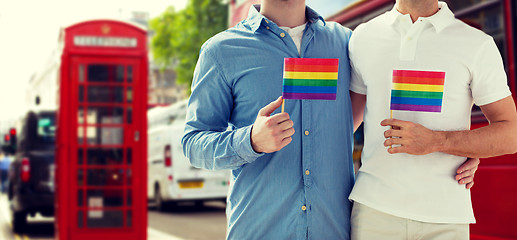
x,y
301,191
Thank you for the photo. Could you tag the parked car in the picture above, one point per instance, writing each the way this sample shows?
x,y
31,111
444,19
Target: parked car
x,y
31,174
171,178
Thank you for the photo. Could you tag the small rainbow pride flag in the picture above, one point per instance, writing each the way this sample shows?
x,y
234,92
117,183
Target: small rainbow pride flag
x,y
417,90
310,78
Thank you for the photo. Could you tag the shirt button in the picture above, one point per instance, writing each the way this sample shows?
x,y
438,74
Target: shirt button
x,y
267,27
304,208
307,172
409,38
306,133
282,34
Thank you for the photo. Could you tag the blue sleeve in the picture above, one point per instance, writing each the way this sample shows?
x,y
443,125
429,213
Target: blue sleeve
x,y
207,141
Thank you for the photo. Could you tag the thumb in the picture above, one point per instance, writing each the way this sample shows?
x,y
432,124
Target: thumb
x,y
271,107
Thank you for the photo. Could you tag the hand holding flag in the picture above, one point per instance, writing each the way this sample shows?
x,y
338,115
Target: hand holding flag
x,y
271,133
417,91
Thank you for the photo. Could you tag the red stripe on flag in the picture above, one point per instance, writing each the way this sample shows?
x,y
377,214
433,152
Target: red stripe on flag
x,y
311,68
311,61
418,80
420,74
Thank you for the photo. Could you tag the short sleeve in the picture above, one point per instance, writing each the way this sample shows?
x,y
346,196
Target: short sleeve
x,y
357,84
489,82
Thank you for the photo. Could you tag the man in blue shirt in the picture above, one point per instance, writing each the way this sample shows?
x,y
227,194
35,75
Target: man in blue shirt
x,y
292,172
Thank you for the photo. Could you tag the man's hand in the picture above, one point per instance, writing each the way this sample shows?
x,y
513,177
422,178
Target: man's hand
x,y
271,133
465,173
412,138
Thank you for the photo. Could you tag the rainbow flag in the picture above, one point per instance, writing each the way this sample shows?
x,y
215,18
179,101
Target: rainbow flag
x,y
417,90
310,78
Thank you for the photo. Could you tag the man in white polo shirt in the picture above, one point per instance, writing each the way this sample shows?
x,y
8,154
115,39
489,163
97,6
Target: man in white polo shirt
x,y
405,188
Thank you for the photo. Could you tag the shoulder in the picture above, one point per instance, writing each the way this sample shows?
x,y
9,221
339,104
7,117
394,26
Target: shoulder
x,y
230,37
465,32
376,24
334,29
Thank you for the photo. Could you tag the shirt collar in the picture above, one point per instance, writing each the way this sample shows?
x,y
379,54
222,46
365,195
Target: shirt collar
x,y
255,19
440,20
443,18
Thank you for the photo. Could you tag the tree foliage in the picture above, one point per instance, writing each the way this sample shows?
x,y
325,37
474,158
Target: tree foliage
x,y
180,34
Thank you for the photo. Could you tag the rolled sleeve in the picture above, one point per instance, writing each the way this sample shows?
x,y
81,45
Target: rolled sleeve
x,y
242,143
207,141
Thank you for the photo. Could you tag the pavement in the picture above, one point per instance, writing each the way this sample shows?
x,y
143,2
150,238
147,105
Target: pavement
x,y
42,228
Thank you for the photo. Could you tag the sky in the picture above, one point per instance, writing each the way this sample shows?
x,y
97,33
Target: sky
x,y
29,32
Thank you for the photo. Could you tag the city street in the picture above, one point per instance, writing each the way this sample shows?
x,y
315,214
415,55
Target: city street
x,y
185,222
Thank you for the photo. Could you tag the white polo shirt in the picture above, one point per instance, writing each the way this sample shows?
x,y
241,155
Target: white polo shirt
x,y
421,188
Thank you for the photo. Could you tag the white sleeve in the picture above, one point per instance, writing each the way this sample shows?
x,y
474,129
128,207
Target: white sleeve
x,y
357,84
489,82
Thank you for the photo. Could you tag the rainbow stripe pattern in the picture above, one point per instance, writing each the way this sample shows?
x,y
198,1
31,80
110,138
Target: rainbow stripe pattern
x,y
310,78
417,90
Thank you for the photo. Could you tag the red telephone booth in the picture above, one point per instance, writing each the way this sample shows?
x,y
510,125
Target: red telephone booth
x,y
101,153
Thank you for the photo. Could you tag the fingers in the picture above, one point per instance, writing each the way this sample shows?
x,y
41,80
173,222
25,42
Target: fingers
x,y
271,107
470,185
288,123
395,123
471,163
400,149
393,133
393,141
465,174
466,180
279,118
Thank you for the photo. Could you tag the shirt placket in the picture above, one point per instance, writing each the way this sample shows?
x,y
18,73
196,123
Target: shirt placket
x,y
307,141
410,33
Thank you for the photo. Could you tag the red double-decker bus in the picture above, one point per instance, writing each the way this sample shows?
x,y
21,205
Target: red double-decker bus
x,y
495,193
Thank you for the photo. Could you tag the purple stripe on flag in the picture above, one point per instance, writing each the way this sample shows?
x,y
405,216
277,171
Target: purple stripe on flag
x,y
315,96
421,108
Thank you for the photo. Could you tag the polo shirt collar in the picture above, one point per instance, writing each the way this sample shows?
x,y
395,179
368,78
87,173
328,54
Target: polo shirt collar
x,y
255,19
440,20
443,18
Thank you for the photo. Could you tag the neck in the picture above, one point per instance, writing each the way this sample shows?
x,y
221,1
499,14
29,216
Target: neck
x,y
417,8
285,13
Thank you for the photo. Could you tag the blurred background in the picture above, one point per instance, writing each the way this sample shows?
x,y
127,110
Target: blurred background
x,y
184,202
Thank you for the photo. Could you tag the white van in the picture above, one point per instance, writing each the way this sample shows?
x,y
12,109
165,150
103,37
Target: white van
x,y
171,178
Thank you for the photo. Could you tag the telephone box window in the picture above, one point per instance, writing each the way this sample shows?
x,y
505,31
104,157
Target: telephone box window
x,y
129,115
81,73
81,94
104,156
104,115
80,156
80,177
129,157
129,198
80,198
80,219
80,116
105,94
129,218
80,135
105,177
129,95
129,74
105,218
108,198
105,73
129,176
104,135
